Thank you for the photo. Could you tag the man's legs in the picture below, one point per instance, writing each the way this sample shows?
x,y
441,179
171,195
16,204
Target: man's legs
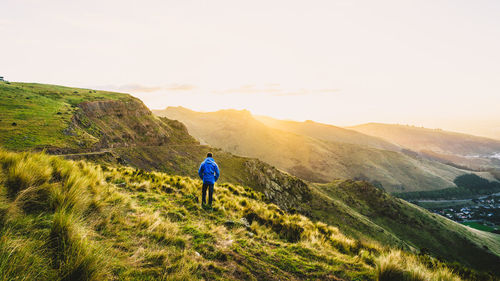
x,y
204,193
210,193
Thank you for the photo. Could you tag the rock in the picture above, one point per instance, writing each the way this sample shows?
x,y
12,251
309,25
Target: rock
x,y
284,190
244,222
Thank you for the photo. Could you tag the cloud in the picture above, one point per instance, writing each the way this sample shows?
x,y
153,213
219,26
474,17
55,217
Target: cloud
x,y
273,90
302,92
250,89
326,91
180,87
137,88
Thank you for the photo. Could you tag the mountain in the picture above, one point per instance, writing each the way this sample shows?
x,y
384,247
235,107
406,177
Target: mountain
x,y
456,148
119,217
315,159
327,132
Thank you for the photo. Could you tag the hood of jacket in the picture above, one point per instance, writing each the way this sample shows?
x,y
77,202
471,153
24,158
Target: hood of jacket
x,y
209,160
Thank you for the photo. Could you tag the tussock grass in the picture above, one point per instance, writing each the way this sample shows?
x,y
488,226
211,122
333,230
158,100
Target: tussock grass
x,y
45,199
398,266
65,220
17,261
75,257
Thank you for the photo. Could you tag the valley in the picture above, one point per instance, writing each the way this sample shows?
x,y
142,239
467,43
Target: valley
x,y
482,213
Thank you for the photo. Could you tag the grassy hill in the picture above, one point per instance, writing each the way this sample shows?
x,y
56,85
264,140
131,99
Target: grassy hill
x,y
114,127
363,211
38,115
63,220
314,159
442,145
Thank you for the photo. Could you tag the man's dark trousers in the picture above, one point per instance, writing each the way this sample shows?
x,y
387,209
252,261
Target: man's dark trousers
x,y
210,187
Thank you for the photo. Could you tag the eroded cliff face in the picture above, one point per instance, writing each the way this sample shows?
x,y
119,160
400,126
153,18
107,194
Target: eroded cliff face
x,y
116,123
286,191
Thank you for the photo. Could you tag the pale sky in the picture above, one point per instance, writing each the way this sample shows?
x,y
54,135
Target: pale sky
x,y
429,62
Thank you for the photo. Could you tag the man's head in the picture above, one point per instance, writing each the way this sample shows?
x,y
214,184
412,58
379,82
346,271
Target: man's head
x,y
209,154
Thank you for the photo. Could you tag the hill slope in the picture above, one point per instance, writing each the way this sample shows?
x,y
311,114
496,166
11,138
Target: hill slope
x,y
363,211
461,149
139,139
311,158
64,220
115,127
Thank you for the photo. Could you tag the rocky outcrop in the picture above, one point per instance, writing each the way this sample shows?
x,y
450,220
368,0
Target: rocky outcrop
x,y
288,192
126,123
119,108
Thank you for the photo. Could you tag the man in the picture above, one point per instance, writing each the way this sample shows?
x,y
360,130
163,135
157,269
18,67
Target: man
x,y
209,173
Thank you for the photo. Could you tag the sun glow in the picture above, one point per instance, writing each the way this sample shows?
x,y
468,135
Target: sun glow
x,y
341,62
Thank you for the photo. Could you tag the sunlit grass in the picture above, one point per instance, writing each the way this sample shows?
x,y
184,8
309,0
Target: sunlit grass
x,y
65,220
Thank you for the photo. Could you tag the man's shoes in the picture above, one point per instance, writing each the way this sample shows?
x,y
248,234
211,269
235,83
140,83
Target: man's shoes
x,y
207,207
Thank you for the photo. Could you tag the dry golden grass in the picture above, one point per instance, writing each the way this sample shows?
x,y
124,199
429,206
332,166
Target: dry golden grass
x,y
65,220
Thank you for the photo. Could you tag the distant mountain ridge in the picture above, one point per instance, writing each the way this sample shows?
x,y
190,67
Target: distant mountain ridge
x,y
328,132
461,149
311,154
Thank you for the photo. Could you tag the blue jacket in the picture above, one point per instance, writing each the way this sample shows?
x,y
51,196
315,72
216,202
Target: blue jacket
x,y
209,171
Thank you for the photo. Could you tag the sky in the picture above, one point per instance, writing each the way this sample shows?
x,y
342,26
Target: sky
x,y
432,63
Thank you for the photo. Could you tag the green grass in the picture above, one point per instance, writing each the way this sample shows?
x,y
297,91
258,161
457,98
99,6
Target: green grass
x,y
478,226
468,186
36,115
445,204
69,220
366,212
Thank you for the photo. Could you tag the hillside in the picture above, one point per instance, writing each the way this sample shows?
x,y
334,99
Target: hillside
x,y
65,220
114,127
311,158
363,211
457,148
120,132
